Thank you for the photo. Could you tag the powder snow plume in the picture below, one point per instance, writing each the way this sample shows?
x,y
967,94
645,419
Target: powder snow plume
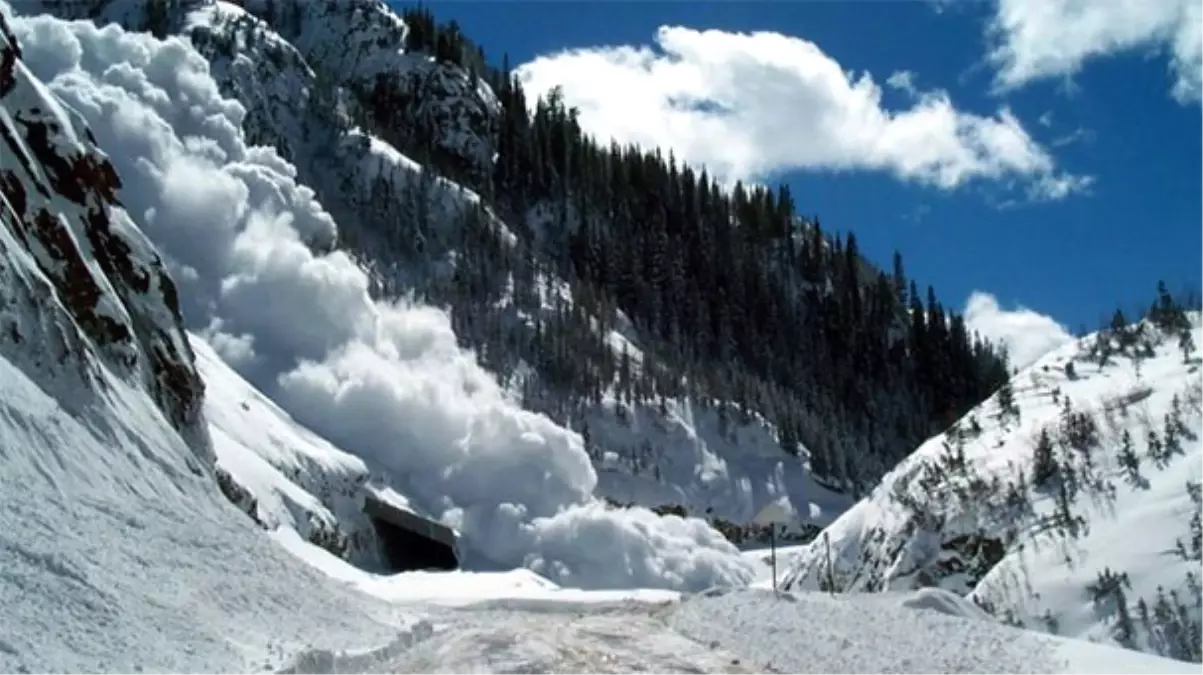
x,y
252,252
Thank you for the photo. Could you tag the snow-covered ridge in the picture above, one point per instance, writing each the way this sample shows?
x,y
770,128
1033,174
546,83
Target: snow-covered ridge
x,y
360,45
1068,502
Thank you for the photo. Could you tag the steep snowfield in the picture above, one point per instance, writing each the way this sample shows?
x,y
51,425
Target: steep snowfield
x,y
282,474
116,557
1033,554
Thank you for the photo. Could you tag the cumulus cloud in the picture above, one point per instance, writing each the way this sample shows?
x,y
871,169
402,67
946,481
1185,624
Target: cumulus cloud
x,y
750,105
1037,39
385,381
1025,333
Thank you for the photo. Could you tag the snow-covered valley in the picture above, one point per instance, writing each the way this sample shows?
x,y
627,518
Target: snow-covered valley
x,y
198,392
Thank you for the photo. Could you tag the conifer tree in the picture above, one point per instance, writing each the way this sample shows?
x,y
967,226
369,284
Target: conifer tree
x,y
1044,462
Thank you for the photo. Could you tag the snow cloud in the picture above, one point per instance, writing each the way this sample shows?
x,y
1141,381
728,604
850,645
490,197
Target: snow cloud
x,y
1038,39
748,105
1027,334
385,381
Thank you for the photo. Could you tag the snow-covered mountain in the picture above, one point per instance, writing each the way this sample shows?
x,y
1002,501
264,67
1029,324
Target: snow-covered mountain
x,y
1069,502
253,254
182,346
302,73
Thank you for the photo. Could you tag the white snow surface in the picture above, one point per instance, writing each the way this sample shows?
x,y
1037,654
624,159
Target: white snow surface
x,y
386,382
114,556
875,633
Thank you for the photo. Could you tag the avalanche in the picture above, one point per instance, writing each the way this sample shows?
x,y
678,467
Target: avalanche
x,y
387,382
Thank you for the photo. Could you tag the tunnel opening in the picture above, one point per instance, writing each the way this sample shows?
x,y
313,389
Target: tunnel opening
x,y
409,542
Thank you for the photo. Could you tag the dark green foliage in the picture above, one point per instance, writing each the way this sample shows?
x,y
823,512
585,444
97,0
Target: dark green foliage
x,y
158,17
1079,429
1128,459
1167,313
1006,402
1154,449
1044,462
1175,632
1108,594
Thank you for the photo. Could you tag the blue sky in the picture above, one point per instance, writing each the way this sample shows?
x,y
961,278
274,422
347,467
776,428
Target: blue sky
x,y
1049,161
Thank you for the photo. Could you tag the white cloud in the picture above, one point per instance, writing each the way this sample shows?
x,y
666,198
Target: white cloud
x,y
1037,39
387,382
903,80
748,105
1079,135
1027,334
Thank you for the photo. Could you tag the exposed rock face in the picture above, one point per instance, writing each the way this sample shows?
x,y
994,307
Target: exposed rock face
x,y
80,286
418,103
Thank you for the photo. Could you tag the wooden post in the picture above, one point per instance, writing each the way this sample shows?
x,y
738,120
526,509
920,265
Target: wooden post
x,y
773,553
827,554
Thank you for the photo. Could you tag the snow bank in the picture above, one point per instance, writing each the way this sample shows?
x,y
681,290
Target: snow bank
x,y
115,557
387,382
874,633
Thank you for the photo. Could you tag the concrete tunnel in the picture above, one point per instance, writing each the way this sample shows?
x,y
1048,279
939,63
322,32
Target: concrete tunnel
x,y
410,542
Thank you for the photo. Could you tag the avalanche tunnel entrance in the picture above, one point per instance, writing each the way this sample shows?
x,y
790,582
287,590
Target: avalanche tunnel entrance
x,y
409,541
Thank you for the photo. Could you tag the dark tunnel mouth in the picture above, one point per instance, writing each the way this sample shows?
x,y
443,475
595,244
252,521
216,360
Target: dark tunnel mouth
x,y
403,550
407,549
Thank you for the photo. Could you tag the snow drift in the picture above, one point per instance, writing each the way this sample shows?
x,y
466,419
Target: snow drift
x,y
253,254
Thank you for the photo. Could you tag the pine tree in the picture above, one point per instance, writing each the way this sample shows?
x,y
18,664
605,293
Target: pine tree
x,y
1153,448
1006,402
1127,457
1044,463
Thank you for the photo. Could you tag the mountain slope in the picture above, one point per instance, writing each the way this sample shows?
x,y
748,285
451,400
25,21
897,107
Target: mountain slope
x,y
1033,507
114,539
417,232
259,280
554,261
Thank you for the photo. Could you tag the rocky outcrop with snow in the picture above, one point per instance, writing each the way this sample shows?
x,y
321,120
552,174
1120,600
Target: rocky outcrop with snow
x,y
82,288
416,100
1068,502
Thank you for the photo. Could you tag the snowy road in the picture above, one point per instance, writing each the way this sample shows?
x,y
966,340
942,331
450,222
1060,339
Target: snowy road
x,y
623,638
739,632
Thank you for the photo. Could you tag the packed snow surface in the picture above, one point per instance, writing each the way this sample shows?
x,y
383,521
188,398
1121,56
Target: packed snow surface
x,y
816,633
